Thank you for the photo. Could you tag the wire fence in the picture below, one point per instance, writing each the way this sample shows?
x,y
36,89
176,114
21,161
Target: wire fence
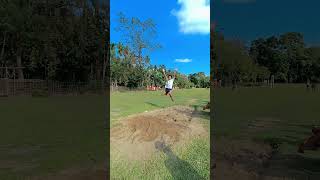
x,y
125,89
36,87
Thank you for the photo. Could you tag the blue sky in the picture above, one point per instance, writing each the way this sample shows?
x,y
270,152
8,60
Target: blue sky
x,y
183,30
249,19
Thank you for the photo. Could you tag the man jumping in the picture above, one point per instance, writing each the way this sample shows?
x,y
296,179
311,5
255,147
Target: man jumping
x,y
169,84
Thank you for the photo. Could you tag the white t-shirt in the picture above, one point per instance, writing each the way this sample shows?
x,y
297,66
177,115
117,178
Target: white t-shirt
x,y
169,83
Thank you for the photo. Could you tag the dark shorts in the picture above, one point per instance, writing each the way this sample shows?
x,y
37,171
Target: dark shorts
x,y
168,90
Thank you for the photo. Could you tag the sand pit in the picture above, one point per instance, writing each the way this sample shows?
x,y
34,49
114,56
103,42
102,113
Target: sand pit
x,y
135,136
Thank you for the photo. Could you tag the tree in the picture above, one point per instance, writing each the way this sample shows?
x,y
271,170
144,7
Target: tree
x,y
285,56
232,60
16,23
292,45
312,70
199,80
138,36
58,40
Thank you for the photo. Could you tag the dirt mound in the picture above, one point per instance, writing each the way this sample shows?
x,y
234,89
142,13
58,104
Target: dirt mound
x,y
148,128
136,135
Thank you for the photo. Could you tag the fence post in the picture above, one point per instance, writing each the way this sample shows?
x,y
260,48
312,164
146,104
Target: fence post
x,y
272,81
6,81
49,87
53,87
14,86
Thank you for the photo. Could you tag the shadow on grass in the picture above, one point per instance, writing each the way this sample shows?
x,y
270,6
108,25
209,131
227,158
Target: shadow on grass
x,y
198,112
293,165
178,168
155,105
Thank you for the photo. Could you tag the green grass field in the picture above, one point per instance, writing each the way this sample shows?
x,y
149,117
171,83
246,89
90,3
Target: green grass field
x,y
191,161
128,103
39,136
283,115
46,135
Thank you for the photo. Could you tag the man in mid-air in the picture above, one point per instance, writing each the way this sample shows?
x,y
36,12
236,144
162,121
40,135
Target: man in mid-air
x,y
169,84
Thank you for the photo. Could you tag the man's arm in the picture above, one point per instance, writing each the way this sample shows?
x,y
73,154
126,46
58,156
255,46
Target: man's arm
x,y
164,73
175,74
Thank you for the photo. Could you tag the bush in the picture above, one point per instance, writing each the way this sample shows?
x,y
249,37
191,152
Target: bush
x,y
251,84
83,90
40,93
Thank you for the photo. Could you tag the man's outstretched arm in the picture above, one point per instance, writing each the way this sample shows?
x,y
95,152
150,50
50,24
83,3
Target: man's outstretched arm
x,y
164,74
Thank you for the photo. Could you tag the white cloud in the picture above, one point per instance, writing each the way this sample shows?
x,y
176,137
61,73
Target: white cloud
x,y
193,16
183,60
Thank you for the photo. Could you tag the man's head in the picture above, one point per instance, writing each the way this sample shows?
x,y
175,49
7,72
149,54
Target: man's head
x,y
169,77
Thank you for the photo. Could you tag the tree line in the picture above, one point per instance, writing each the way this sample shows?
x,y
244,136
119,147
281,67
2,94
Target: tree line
x,y
125,72
286,58
55,40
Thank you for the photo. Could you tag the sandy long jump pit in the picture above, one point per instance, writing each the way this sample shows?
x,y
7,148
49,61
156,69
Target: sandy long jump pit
x,y
135,136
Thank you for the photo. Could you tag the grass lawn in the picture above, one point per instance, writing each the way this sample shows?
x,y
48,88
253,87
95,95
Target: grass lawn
x,y
47,135
190,161
128,103
283,115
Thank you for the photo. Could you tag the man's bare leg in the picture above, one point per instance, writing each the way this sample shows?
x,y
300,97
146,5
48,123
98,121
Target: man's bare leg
x,y
171,97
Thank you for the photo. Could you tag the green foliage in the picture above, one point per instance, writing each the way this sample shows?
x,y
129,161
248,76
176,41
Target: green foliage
x,y
40,93
199,80
286,57
182,81
59,40
124,72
